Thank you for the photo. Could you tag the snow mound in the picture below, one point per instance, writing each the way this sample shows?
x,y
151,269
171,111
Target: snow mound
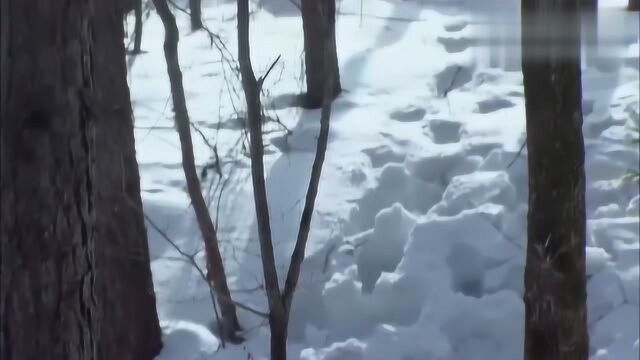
x,y
351,349
604,294
615,337
188,341
394,184
440,164
472,190
383,251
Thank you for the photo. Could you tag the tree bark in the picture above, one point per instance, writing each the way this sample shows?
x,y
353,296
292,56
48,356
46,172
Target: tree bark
x,y
195,13
315,14
215,267
278,329
130,328
137,40
47,223
251,87
590,26
555,283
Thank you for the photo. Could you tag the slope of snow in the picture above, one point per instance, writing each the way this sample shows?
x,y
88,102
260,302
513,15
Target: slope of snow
x,y
417,244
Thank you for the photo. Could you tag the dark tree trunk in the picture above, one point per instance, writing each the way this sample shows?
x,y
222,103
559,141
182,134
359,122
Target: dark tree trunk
x,y
137,40
195,12
130,328
215,267
634,5
47,229
555,284
315,14
590,30
278,329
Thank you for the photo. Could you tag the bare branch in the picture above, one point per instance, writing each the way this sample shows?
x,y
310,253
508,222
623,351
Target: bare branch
x,y
316,170
264,77
524,144
215,267
254,122
190,259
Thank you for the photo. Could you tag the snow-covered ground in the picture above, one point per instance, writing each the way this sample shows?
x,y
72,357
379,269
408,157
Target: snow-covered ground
x,y
417,245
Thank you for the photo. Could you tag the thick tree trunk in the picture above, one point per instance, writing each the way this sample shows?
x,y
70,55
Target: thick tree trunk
x,y
130,328
590,26
195,13
47,229
315,14
634,5
215,267
137,40
555,284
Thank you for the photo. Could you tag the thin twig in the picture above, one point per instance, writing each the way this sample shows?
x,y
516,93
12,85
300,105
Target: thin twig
x,y
518,154
263,77
190,258
297,257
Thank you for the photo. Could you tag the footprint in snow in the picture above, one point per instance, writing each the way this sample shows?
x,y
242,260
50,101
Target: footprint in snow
x,y
455,44
456,26
443,131
382,155
408,114
452,77
493,104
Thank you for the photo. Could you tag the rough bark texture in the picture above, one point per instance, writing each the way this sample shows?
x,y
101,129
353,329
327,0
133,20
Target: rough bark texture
x,y
215,267
129,328
195,13
315,14
47,229
137,40
555,285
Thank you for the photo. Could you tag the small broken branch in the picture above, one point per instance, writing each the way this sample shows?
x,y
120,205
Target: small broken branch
x,y
524,144
262,79
190,259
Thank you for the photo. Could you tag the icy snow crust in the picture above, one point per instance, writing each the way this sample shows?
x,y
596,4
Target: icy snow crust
x,y
418,242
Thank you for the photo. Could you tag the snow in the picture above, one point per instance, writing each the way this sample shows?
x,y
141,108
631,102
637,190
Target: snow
x,y
417,245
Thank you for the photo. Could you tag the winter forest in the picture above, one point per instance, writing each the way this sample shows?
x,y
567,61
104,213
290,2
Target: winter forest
x,y
319,180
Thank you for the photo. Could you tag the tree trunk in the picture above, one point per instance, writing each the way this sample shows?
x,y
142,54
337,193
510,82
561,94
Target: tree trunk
x,y
195,12
278,315
137,40
634,5
130,328
314,18
215,267
555,283
590,26
278,329
47,229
